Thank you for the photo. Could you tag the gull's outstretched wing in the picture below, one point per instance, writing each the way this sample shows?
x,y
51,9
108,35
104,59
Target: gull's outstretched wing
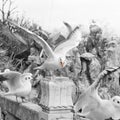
x,y
72,42
6,31
20,38
68,27
48,50
54,37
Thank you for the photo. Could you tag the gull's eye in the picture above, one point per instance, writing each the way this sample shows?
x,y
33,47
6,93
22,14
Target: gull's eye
x,y
80,110
118,102
113,100
27,78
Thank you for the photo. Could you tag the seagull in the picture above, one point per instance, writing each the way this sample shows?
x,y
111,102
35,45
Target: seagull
x,y
56,59
91,106
18,84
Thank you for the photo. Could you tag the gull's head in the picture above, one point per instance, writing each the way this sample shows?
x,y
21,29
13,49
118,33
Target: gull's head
x,y
7,70
116,101
62,62
27,77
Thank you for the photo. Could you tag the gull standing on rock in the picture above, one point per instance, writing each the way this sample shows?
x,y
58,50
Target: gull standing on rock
x,y
17,83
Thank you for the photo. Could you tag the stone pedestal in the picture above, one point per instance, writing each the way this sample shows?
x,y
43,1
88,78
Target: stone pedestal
x,y
56,99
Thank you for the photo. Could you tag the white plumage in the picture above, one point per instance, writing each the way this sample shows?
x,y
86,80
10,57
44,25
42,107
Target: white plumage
x,y
95,108
55,59
17,83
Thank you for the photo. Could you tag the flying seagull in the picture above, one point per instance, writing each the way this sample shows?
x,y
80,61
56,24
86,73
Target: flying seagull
x,y
56,58
17,83
91,106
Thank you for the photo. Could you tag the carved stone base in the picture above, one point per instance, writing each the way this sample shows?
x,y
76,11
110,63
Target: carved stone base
x,y
56,98
56,116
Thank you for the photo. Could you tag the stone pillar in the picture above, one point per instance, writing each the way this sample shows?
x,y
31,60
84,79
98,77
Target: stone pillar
x,y
56,99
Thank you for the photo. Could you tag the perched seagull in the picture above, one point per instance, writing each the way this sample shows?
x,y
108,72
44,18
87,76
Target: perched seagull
x,y
56,58
91,106
17,83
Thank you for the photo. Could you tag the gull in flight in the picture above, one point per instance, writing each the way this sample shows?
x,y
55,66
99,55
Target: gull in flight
x,y
56,58
91,106
17,83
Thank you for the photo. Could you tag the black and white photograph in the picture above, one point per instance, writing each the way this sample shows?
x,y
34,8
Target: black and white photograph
x,y
59,60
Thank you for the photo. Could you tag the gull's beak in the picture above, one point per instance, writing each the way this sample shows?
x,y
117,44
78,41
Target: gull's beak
x,y
31,81
62,63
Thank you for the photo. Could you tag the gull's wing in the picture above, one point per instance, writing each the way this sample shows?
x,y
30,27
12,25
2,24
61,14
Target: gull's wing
x,y
54,37
48,50
68,27
12,78
20,38
87,101
9,75
6,31
72,42
20,89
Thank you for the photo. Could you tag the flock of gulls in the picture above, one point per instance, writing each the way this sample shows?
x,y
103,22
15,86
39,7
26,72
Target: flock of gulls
x,y
89,104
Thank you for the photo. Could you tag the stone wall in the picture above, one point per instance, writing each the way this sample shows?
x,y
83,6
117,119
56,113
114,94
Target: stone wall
x,y
55,103
12,110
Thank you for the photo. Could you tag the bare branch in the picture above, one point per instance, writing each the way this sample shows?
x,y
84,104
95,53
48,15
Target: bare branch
x,y
7,14
10,3
13,12
1,10
5,2
13,9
